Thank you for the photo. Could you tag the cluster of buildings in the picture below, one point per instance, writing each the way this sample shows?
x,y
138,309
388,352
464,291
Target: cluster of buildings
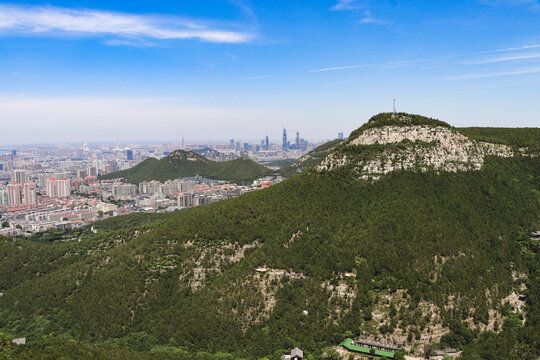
x,y
34,199
17,194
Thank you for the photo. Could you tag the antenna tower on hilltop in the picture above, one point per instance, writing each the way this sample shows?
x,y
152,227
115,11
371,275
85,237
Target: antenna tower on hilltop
x,y
394,106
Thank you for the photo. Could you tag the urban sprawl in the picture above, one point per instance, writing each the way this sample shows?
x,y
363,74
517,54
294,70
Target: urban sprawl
x,y
58,187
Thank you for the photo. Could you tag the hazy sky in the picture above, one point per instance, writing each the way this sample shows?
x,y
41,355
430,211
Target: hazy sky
x,y
215,69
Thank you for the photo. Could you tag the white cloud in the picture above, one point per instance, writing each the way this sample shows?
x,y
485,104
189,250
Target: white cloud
x,y
50,20
505,58
370,19
346,5
533,70
341,68
258,77
525,47
431,63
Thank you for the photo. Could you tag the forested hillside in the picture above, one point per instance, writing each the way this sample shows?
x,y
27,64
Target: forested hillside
x,y
183,163
310,159
427,258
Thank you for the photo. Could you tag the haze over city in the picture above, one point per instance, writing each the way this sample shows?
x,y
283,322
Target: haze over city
x,y
82,71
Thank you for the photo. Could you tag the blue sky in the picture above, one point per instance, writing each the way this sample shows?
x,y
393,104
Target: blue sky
x,y
214,69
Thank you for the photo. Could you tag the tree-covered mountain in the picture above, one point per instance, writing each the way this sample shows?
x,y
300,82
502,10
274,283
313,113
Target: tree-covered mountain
x,y
184,163
310,159
429,254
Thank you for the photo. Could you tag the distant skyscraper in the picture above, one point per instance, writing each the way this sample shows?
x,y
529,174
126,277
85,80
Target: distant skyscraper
x,y
13,153
285,145
20,176
129,153
340,136
297,142
29,193
14,194
231,143
267,143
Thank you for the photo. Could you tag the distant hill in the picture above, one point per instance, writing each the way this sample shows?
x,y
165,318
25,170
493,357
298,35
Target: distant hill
x,y
409,232
309,159
183,163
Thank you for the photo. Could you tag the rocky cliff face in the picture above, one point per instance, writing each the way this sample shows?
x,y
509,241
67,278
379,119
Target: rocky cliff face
x,y
379,150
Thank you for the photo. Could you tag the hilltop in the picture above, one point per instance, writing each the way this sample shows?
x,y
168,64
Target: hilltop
x,y
184,163
391,142
427,256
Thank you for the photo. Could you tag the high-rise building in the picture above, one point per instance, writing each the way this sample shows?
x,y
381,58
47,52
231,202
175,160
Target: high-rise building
x,y
58,187
114,166
42,180
29,193
129,153
10,165
340,136
285,145
297,142
50,187
20,176
231,143
13,153
63,188
81,174
14,194
91,171
267,143
4,197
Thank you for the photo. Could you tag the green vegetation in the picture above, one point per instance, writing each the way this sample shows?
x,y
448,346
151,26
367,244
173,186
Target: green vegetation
x,y
310,159
187,163
278,163
232,279
140,281
518,137
129,221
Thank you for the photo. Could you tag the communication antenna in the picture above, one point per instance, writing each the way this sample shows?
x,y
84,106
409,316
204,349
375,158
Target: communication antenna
x,y
395,106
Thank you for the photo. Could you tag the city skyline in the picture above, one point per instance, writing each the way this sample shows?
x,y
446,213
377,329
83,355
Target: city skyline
x,y
124,71
6,146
